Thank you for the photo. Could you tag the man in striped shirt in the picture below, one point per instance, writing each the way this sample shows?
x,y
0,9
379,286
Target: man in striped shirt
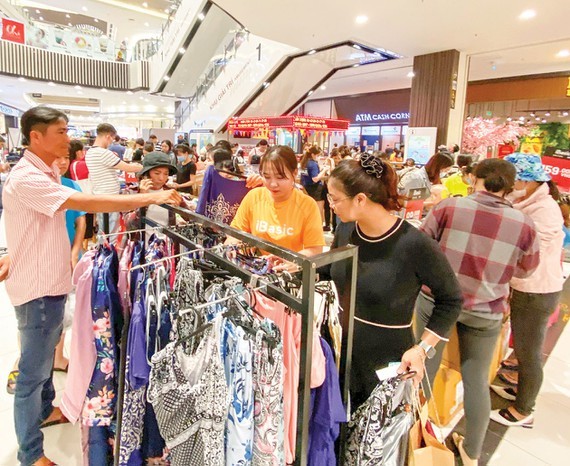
x,y
103,165
37,269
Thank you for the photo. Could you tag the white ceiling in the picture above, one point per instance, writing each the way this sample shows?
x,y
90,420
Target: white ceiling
x,y
490,31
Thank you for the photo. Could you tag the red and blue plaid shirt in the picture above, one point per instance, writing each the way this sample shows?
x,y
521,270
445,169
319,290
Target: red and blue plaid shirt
x,y
487,242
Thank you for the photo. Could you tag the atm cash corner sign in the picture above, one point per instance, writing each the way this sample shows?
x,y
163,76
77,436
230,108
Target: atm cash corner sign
x,y
362,117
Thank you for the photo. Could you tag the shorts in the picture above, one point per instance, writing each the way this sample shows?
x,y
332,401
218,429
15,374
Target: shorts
x,y
316,191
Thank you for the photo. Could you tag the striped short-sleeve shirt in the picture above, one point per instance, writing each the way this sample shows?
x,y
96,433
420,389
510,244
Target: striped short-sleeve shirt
x,y
102,170
36,234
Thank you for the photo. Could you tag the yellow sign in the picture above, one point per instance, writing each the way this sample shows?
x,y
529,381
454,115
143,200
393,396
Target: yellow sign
x,y
568,89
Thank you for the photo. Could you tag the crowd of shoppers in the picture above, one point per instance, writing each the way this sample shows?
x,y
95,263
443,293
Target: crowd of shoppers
x,y
491,244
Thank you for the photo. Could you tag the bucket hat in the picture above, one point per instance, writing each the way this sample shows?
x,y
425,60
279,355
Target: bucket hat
x,y
529,167
155,160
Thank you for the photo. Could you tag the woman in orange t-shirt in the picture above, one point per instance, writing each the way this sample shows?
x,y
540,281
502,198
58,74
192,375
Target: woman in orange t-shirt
x,y
278,212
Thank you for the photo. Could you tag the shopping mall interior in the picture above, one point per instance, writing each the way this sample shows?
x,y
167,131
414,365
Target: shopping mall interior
x,y
492,77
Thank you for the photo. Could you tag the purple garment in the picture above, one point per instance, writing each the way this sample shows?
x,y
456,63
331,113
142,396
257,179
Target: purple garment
x,y
220,197
326,415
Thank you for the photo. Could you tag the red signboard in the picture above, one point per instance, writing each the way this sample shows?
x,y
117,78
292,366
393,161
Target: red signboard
x,y
504,149
293,122
13,31
413,209
559,170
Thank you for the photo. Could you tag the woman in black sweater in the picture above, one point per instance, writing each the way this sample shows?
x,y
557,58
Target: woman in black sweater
x,y
394,261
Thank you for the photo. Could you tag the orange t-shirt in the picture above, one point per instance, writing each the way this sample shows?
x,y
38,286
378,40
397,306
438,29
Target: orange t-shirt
x,y
293,224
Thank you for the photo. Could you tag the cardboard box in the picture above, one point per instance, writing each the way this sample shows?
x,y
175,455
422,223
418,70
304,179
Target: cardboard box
x,y
447,396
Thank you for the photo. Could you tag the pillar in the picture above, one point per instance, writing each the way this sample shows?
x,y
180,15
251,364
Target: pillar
x,y
438,94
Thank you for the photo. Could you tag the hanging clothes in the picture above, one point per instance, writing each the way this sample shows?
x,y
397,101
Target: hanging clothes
x,y
327,312
327,413
220,197
190,397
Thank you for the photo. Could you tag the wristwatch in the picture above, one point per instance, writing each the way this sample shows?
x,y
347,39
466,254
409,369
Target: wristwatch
x,y
428,349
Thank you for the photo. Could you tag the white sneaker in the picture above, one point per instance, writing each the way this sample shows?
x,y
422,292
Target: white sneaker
x,y
508,393
504,417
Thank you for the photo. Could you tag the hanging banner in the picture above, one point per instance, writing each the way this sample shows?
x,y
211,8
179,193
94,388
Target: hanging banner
x,y
14,31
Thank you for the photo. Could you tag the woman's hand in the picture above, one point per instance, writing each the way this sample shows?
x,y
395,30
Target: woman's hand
x,y
145,185
280,265
173,185
254,181
413,360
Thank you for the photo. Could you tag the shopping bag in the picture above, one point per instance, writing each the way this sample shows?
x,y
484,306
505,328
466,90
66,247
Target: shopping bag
x,y
424,448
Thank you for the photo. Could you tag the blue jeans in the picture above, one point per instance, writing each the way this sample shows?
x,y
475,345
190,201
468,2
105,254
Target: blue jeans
x,y
100,453
40,323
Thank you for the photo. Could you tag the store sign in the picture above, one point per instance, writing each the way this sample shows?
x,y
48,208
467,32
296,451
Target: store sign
x,y
558,167
6,110
390,130
13,31
293,122
370,130
403,116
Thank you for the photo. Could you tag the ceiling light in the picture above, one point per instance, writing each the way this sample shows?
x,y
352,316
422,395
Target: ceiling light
x,y
51,83
167,78
356,65
547,114
564,113
537,118
41,18
166,10
26,10
323,88
361,19
181,50
69,24
67,16
527,14
22,79
266,84
145,5
146,25
103,90
38,12
509,119
521,118
532,114
96,20
357,47
78,87
130,92
310,92
411,74
201,16
563,53
543,120
312,52
84,8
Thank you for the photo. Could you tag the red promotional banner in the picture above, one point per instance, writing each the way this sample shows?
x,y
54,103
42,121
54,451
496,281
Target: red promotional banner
x,y
294,122
13,31
559,170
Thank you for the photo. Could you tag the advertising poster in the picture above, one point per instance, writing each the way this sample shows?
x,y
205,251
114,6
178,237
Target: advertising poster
x,y
39,37
14,31
420,144
557,166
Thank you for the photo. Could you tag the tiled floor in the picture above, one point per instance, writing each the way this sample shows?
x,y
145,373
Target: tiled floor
x,y
547,444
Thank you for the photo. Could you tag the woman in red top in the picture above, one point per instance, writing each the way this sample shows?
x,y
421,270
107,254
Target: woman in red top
x,y
78,168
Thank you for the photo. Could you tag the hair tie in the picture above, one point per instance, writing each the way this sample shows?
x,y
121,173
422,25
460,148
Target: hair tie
x,y
372,165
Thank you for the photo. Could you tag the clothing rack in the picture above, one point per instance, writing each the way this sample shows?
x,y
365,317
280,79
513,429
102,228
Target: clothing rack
x,y
304,306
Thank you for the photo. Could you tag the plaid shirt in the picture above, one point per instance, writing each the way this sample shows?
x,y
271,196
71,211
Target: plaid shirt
x,y
487,242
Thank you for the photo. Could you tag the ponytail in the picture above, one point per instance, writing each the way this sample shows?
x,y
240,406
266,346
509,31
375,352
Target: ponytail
x,y
498,175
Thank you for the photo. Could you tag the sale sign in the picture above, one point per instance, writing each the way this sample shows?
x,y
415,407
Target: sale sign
x,y
13,31
558,167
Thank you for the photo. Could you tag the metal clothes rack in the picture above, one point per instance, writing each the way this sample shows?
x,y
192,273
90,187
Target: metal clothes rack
x,y
304,306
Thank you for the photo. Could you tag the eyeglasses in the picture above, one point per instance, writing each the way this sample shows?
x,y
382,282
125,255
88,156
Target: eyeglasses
x,y
332,202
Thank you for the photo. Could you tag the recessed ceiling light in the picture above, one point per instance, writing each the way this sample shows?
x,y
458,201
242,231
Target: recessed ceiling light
x,y
84,8
96,20
167,78
564,113
563,53
201,16
357,47
103,90
67,15
411,74
38,12
356,65
77,87
26,10
22,79
537,118
521,118
532,114
129,92
544,121
166,10
41,18
509,119
310,92
312,52
51,83
361,19
69,24
527,14
181,50
146,25
266,84
145,5
323,88
547,114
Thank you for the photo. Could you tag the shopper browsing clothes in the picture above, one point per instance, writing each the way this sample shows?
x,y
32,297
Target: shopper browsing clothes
x,y
278,212
103,165
535,297
487,243
394,261
312,177
35,202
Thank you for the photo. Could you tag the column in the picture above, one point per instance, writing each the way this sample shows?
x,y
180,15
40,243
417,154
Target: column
x,y
438,94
